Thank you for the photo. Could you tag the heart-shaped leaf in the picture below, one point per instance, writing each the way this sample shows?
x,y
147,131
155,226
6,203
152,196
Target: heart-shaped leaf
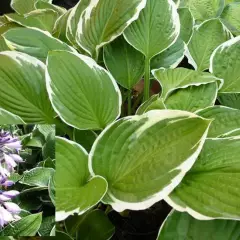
x,y
158,20
41,42
104,20
211,188
206,37
76,192
124,62
220,66
182,226
138,166
23,87
89,99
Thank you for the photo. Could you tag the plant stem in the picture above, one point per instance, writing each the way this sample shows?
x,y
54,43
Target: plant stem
x,y
129,102
95,56
147,79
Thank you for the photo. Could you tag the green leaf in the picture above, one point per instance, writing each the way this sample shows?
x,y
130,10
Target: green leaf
x,y
63,236
95,225
51,188
187,23
41,42
25,6
173,79
193,98
171,57
38,176
231,100
211,188
84,138
43,19
225,64
90,99
46,226
59,30
27,226
22,79
46,5
163,18
53,231
153,103
104,20
205,9
73,20
76,185
206,37
225,121
46,129
230,17
9,118
124,62
48,150
138,166
182,226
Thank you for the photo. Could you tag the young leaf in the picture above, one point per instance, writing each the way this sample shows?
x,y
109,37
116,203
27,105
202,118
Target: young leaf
x,y
193,98
23,87
95,225
124,62
48,150
41,42
45,129
25,6
43,19
9,118
138,166
158,20
231,100
90,99
171,57
205,9
173,79
206,37
104,20
187,23
76,192
27,226
211,188
182,226
38,176
225,121
46,226
225,64
230,17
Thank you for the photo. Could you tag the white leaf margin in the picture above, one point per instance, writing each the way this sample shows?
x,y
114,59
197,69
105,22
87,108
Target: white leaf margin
x,y
119,205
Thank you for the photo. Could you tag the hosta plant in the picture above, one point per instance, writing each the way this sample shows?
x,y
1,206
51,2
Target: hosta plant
x,y
145,96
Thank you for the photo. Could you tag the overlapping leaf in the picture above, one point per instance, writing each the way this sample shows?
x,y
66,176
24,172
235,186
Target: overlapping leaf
x,y
83,94
23,91
76,185
211,188
104,20
144,157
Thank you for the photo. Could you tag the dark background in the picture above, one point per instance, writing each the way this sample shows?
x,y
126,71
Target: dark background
x,y
5,5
